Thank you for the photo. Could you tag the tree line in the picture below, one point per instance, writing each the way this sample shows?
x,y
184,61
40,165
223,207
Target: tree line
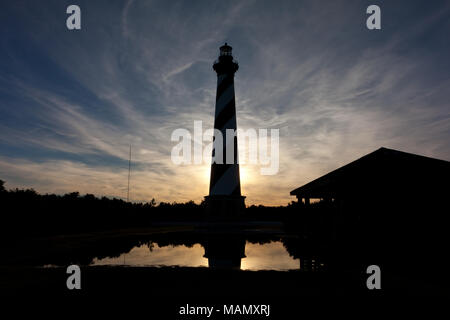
x,y
25,211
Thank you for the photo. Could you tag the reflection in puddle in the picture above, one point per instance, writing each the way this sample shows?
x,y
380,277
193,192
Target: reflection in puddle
x,y
159,256
269,256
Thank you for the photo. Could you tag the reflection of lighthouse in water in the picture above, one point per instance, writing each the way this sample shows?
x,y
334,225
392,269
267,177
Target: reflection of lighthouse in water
x,y
225,199
224,251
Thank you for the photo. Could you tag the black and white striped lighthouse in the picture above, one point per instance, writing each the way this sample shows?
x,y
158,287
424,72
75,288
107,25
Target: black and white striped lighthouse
x,y
225,199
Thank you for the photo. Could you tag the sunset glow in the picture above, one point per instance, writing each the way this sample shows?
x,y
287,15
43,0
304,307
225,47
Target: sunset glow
x,y
72,102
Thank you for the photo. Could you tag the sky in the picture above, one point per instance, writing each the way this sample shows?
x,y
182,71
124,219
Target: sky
x,y
72,101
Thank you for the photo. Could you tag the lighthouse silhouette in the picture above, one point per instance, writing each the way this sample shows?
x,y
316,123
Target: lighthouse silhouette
x,y
225,200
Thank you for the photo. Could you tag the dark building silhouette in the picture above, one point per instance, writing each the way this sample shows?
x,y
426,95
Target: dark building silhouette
x,y
225,199
388,206
382,177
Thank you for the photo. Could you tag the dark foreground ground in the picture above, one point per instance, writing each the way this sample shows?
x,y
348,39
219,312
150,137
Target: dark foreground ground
x,y
201,282
161,292
165,290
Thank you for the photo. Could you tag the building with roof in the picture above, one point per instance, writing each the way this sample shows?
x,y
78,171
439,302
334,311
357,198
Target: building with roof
x,y
383,176
388,203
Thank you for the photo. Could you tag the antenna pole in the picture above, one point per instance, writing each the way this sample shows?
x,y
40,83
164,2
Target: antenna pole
x,y
129,171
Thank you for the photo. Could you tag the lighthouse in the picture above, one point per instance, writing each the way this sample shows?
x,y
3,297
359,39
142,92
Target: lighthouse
x,y
225,199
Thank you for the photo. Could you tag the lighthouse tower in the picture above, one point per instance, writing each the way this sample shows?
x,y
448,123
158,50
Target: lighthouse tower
x,y
225,199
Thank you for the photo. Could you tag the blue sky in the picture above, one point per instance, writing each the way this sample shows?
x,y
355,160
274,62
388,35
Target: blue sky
x,y
71,102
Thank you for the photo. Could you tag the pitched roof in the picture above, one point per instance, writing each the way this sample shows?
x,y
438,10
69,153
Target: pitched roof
x,y
384,165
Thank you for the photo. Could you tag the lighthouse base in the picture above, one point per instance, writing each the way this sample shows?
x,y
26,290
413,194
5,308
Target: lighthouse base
x,y
223,207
